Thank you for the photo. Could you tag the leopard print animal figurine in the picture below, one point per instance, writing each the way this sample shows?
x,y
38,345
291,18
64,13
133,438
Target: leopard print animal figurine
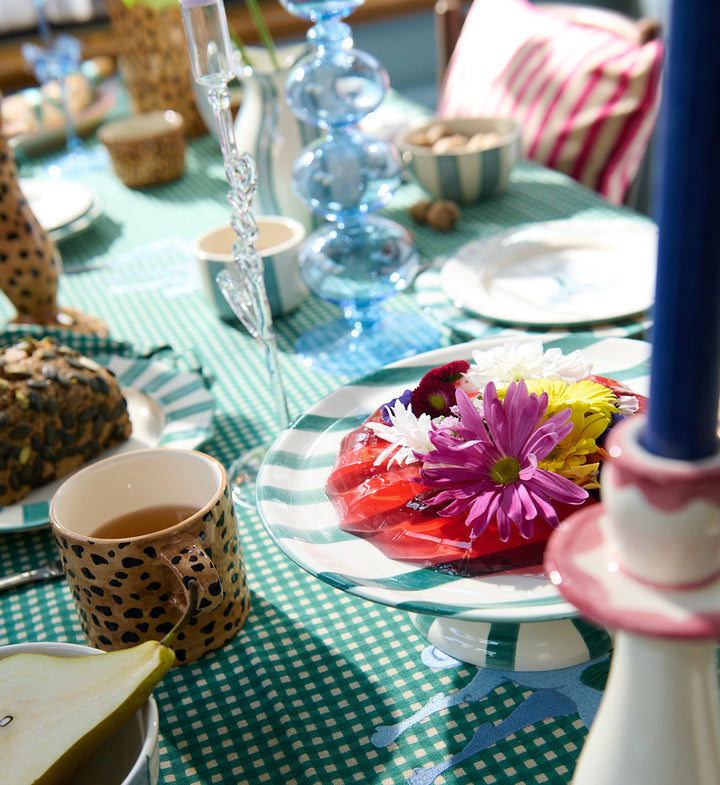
x,y
29,261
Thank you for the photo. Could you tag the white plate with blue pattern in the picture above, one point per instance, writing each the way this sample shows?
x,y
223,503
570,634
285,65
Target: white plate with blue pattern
x,y
304,524
168,408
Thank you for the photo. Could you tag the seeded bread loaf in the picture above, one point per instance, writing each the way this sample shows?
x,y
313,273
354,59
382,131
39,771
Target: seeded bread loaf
x,y
58,409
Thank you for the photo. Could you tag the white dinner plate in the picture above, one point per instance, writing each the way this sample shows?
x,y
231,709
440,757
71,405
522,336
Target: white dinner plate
x,y
167,407
304,524
62,207
557,274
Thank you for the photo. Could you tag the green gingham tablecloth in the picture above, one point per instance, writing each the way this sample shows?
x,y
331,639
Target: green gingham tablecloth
x,y
319,686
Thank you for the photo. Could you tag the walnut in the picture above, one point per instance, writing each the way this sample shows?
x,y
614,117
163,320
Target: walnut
x,y
418,212
443,215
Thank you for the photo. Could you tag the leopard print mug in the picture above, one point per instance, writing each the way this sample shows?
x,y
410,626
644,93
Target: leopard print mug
x,y
132,530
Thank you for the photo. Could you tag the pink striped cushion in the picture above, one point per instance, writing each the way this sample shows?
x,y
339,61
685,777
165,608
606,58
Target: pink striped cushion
x,y
587,99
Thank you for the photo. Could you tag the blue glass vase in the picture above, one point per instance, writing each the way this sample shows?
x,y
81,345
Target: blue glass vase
x,y
354,259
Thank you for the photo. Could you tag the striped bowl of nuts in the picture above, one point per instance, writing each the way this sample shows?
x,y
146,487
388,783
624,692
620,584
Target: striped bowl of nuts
x,y
461,159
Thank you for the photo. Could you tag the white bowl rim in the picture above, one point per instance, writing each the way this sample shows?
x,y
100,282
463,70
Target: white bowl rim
x,y
510,133
298,234
150,717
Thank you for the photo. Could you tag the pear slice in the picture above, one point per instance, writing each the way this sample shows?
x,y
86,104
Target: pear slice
x,y
55,712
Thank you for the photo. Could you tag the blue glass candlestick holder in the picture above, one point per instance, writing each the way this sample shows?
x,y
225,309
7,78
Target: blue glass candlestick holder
x,y
354,259
55,61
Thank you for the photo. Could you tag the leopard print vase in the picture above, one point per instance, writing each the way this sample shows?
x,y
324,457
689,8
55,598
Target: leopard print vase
x,y
29,262
154,61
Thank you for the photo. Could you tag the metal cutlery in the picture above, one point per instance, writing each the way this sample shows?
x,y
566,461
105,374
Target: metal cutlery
x,y
47,571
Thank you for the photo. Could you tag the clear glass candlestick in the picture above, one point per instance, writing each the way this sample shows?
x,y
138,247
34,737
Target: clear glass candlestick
x,y
243,286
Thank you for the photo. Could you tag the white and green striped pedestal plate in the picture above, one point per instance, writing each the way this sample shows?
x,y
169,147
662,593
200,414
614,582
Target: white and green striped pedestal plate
x,y
509,621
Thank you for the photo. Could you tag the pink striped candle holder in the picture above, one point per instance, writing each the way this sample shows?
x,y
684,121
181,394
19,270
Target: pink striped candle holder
x,y
645,563
663,515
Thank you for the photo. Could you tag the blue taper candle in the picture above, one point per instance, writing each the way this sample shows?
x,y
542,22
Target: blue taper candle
x,y
685,366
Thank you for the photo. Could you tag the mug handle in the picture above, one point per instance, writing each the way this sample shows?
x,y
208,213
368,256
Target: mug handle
x,y
184,556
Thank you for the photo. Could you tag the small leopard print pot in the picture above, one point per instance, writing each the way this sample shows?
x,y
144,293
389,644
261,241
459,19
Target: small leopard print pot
x,y
127,561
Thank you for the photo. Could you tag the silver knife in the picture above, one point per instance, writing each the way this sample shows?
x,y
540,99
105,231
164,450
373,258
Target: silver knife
x,y
45,572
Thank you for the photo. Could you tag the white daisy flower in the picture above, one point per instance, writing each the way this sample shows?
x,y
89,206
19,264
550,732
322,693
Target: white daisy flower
x,y
406,434
515,361
627,404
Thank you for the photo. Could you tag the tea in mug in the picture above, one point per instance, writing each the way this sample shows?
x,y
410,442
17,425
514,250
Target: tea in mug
x,y
144,521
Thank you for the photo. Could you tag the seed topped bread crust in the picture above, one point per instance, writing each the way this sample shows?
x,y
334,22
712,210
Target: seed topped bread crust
x,y
58,410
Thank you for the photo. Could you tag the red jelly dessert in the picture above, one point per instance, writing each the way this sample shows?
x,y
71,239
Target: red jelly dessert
x,y
434,507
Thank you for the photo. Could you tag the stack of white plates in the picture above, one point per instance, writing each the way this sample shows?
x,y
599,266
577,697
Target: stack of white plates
x,y
63,207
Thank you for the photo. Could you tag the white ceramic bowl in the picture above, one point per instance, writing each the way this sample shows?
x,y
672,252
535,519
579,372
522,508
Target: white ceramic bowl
x,y
462,159
131,756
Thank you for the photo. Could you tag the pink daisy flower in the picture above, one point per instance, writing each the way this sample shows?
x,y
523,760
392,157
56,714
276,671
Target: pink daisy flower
x,y
486,464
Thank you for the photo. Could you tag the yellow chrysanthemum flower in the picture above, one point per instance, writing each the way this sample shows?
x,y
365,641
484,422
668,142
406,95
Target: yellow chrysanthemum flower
x,y
570,455
591,408
584,395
